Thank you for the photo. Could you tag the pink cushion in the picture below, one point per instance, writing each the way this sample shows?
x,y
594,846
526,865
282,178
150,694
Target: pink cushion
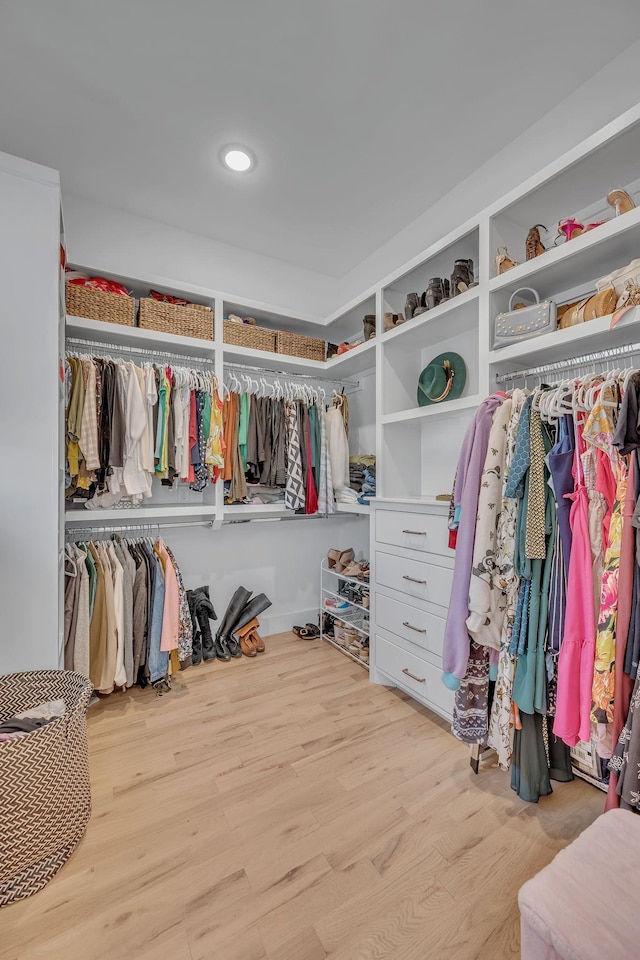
x,y
584,905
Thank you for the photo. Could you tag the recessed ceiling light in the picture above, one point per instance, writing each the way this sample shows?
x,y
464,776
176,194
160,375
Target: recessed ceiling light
x,y
238,159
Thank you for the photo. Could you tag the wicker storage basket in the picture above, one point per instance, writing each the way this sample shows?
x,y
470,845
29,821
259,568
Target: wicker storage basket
x,y
193,320
97,305
249,335
45,794
295,345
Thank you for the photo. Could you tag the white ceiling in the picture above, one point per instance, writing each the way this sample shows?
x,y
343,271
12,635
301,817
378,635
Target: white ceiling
x,y
362,113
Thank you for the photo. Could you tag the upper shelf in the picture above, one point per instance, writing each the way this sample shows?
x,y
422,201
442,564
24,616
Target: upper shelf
x,y
148,514
436,324
358,360
578,262
574,341
135,337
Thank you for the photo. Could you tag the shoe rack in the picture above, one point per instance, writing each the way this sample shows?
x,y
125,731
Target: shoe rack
x,y
345,601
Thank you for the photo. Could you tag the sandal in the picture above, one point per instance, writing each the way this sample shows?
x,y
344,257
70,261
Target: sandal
x,y
352,569
333,556
345,559
313,630
303,633
620,201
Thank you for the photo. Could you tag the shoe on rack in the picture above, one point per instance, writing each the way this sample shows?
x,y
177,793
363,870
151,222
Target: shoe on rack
x,y
345,558
332,603
333,556
352,570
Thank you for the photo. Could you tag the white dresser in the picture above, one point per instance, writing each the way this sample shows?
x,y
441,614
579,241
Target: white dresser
x,y
411,578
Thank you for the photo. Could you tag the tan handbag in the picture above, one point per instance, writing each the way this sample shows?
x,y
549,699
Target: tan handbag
x,y
600,304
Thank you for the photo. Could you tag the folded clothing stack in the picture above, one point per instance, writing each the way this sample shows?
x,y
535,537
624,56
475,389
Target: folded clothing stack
x,y
346,495
357,466
368,485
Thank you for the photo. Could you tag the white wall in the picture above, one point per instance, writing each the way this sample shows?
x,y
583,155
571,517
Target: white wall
x,y
29,479
118,242
604,97
279,558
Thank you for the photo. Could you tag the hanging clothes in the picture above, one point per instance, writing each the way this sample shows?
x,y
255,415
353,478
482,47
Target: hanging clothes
x,y
127,425
140,612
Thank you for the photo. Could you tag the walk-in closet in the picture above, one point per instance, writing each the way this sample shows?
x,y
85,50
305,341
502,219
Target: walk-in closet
x,y
321,489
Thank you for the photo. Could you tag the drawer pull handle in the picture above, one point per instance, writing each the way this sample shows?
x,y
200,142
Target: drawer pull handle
x,y
410,626
413,579
408,673
416,533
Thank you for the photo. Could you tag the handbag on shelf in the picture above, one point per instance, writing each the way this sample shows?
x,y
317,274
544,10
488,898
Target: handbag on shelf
x,y
621,280
524,322
600,304
504,261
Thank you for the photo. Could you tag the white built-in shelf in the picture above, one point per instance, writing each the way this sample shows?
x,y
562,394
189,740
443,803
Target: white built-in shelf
x,y
355,361
271,361
359,360
357,508
581,339
446,408
426,501
422,325
136,337
94,518
578,262
247,511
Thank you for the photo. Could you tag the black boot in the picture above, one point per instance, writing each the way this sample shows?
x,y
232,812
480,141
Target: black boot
x,y
251,610
196,649
204,612
226,646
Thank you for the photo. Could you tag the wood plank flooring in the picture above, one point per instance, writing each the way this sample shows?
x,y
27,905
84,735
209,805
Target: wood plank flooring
x,y
285,809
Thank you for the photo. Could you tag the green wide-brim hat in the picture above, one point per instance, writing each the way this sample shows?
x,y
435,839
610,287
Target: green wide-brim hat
x,y
443,379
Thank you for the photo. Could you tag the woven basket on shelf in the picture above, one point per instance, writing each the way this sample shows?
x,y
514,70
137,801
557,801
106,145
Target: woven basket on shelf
x,y
45,793
194,320
98,305
249,335
295,345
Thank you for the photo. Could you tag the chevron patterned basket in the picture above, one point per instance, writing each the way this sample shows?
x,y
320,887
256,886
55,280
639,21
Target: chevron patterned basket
x,y
45,793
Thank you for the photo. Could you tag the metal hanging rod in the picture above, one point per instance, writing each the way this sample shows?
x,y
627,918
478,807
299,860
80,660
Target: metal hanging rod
x,y
99,347
611,353
266,371
90,531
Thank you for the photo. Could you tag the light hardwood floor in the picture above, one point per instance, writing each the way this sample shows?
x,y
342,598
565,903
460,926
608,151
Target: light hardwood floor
x,y
284,808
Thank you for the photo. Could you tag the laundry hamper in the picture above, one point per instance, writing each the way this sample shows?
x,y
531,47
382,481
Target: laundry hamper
x,y
45,794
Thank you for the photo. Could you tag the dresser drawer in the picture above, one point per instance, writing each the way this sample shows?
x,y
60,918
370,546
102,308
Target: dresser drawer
x,y
414,675
416,578
421,627
426,532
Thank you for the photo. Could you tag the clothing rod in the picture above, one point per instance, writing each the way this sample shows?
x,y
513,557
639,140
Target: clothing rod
x,y
130,527
289,374
138,351
611,353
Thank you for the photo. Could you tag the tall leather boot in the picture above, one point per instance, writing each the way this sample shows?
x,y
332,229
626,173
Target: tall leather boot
x,y
196,655
252,609
224,648
204,612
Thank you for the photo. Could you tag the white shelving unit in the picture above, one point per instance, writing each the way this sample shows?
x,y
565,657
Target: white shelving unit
x,y
355,615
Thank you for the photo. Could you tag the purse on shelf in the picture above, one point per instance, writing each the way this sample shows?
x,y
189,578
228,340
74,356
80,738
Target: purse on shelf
x,y
621,280
600,304
504,261
524,322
